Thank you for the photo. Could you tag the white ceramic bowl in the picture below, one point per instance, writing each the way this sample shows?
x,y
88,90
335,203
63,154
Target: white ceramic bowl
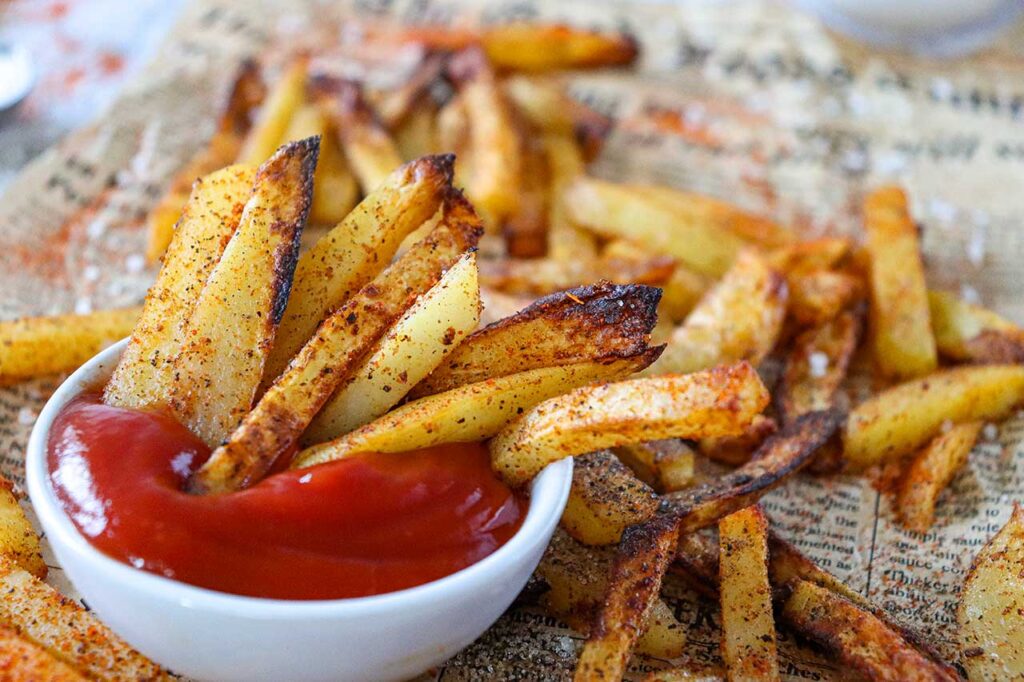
x,y
216,636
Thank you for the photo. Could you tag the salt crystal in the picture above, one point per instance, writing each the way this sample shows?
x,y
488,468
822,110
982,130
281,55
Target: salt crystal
x,y
891,163
96,228
942,88
942,210
990,432
854,161
83,306
134,263
26,416
818,364
91,273
976,246
969,294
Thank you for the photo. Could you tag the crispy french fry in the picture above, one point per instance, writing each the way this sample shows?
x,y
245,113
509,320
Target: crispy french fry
x,y
820,295
418,135
541,276
453,136
606,498
397,106
824,253
38,346
970,333
931,471
903,343
640,562
816,366
417,343
737,450
268,131
719,401
545,102
289,405
23,661
699,236
334,187
990,608
525,46
901,419
144,373
566,241
748,627
680,293
38,612
231,327
246,94
855,636
738,319
525,231
19,543
470,413
666,464
578,325
356,250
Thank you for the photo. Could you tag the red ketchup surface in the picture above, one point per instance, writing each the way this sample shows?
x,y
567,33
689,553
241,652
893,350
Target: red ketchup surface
x,y
360,526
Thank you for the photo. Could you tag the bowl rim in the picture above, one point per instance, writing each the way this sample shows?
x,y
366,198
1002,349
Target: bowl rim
x,y
549,493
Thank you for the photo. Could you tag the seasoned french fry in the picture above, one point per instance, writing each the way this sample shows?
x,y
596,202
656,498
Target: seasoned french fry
x,y
19,543
687,675
268,131
470,413
418,134
901,419
38,346
737,450
525,231
680,293
990,608
719,401
453,136
930,472
541,276
545,102
334,187
738,319
144,373
902,339
816,366
666,464
523,46
824,253
606,498
398,106
578,325
640,562
748,627
566,241
289,405
24,661
38,612
417,343
697,236
970,333
820,295
230,329
854,635
356,250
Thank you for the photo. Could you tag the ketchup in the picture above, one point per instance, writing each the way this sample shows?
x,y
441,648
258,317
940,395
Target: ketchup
x,y
360,526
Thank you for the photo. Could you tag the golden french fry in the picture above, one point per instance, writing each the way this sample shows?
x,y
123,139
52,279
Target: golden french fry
x,y
687,675
578,325
470,413
418,135
289,405
738,319
144,373
526,46
748,626
525,231
606,498
719,401
397,106
820,295
824,253
666,464
38,346
416,344
548,106
901,419
231,327
23,661
268,131
541,276
566,241
931,471
334,187
902,339
990,609
737,450
356,250
19,543
970,333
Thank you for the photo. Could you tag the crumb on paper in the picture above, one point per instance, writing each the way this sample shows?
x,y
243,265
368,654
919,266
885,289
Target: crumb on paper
x,y
990,432
83,306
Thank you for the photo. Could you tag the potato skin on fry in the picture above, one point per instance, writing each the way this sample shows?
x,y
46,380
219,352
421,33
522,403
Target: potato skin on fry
x,y
18,540
524,46
931,471
969,333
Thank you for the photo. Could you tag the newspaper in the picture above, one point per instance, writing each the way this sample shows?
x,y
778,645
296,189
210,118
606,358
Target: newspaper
x,y
746,100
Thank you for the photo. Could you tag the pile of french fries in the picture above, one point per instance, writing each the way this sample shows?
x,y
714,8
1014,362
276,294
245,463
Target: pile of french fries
x,y
622,324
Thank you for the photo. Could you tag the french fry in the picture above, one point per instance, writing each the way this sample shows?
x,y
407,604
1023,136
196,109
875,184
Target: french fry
x,y
719,401
687,675
989,613
606,498
738,319
640,562
902,419
453,136
334,187
523,46
19,543
418,135
931,471
901,333
666,464
356,250
289,405
578,325
144,374
470,413
969,333
246,94
816,366
231,327
24,661
545,102
737,450
37,346
824,253
566,241
282,101
680,293
820,295
417,343
698,236
855,636
39,613
748,627
541,276
525,231
397,106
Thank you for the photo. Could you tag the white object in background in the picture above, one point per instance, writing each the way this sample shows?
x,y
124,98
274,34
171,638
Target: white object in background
x,y
939,28
212,635
16,75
